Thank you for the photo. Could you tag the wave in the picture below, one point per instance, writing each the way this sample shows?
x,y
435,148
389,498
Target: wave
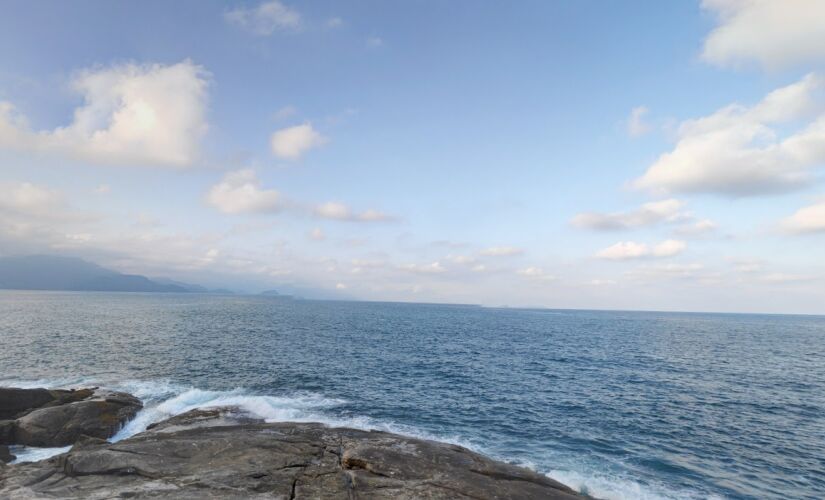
x,y
164,399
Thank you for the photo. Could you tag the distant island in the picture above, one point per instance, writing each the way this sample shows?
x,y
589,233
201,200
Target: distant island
x,y
51,272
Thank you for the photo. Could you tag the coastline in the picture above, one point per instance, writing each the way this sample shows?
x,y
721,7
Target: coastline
x,y
208,452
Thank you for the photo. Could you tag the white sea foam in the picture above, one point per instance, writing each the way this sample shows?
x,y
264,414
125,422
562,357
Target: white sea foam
x,y
612,487
163,399
295,407
32,454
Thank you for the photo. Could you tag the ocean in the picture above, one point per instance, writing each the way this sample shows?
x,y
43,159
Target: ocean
x,y
620,405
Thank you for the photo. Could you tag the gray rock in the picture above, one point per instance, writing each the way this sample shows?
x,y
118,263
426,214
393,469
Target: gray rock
x,y
16,402
7,431
100,416
192,458
5,454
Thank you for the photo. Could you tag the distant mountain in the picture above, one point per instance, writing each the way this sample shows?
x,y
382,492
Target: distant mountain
x,y
189,287
50,272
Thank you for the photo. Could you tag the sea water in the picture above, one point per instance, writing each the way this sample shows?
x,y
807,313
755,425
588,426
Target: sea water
x,y
621,405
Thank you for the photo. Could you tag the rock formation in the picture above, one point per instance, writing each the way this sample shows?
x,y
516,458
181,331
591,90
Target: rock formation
x,y
221,453
48,418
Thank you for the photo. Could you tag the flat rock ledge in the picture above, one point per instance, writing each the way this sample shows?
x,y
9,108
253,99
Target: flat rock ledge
x,y
221,453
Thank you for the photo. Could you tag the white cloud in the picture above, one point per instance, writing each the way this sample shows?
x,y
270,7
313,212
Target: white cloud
x,y
669,248
601,282
28,198
334,22
626,250
694,271
785,278
240,192
103,189
292,142
669,210
747,266
501,251
266,18
736,152
772,33
809,219
374,42
339,211
432,268
462,259
32,216
535,273
284,113
131,114
317,234
698,228
636,124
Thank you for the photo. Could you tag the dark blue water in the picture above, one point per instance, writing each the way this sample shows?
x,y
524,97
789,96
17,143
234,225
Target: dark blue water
x,y
621,404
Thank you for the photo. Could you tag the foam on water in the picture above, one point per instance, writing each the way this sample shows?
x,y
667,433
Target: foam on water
x,y
164,399
294,407
32,454
618,488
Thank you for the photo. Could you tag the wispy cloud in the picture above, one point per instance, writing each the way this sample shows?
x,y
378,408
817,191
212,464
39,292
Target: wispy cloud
x,y
266,18
339,211
626,250
240,192
501,251
636,124
649,214
535,273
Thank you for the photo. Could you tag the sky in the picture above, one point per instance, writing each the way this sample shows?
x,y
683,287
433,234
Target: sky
x,y
567,154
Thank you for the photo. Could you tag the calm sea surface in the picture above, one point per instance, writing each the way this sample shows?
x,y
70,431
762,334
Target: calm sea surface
x,y
624,405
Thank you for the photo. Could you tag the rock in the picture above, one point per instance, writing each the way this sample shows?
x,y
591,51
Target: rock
x,y
16,402
100,416
7,431
5,454
205,417
211,454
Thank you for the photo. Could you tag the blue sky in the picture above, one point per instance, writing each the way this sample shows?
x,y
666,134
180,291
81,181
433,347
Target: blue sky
x,y
642,155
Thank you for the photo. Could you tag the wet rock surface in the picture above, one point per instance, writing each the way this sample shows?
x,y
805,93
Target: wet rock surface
x,y
221,453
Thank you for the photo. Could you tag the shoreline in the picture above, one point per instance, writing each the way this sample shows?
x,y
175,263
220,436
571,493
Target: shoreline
x,y
238,451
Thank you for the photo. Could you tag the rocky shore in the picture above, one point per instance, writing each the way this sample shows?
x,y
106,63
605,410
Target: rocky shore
x,y
223,453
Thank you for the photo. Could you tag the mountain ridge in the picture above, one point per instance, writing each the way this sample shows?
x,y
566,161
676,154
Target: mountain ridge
x,y
60,273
